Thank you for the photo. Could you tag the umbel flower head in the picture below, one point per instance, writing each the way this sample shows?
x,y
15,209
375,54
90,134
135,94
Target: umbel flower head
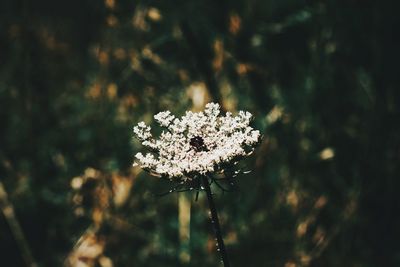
x,y
198,143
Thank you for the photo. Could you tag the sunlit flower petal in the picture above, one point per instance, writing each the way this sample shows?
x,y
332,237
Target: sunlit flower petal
x,y
197,143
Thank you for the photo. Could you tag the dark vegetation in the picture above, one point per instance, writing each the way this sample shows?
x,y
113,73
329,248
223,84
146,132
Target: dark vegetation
x,y
321,78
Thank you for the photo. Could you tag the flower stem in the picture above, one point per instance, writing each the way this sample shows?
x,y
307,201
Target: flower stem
x,y
215,223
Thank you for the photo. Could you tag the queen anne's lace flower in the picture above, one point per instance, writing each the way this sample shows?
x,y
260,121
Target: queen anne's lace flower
x,y
197,143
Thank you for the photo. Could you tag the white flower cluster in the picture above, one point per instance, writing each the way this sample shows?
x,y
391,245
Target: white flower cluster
x,y
197,143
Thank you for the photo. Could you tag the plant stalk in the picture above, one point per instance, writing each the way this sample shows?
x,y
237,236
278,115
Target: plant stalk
x,y
7,209
215,223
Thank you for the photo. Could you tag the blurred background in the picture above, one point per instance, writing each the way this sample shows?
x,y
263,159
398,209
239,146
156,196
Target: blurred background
x,y
321,78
